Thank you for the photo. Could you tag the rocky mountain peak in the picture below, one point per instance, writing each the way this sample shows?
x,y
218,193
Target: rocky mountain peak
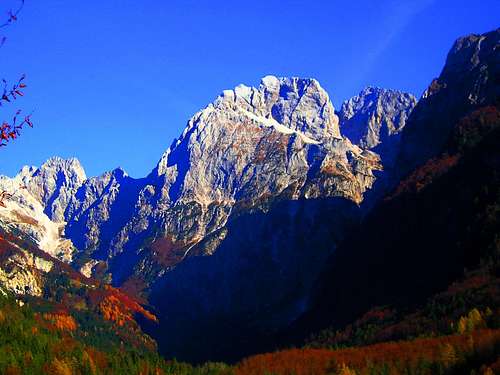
x,y
290,106
53,184
469,80
375,114
469,51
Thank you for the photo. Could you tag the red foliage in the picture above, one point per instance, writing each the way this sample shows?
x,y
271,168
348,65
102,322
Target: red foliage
x,y
97,357
470,283
395,355
9,132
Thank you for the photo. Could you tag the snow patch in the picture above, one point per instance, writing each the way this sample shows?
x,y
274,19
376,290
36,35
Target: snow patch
x,y
272,123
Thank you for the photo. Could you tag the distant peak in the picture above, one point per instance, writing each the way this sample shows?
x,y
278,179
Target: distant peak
x,y
380,91
374,115
71,165
58,161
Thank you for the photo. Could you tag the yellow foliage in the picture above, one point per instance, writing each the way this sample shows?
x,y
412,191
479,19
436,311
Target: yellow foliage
x,y
472,321
60,367
345,370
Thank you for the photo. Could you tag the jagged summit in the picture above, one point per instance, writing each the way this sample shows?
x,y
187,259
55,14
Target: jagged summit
x,y
253,140
291,106
375,114
249,147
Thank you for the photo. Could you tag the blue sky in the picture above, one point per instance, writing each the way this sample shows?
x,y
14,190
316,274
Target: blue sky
x,y
114,82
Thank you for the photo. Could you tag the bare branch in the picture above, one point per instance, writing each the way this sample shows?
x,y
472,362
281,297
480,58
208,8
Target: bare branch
x,y
13,15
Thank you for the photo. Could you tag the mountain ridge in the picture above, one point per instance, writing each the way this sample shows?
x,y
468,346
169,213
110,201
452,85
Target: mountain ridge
x,y
304,112
238,219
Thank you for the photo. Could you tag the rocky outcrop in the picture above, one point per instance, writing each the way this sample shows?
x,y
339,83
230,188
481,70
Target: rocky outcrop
x,y
22,272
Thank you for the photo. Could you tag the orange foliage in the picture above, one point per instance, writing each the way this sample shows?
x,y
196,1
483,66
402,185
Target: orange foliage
x,y
112,310
118,307
392,354
58,367
61,321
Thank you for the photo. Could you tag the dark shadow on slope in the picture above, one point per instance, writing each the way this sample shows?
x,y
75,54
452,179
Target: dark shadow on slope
x,y
414,243
180,157
228,305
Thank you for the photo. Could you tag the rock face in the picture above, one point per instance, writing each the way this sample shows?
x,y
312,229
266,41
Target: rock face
x,y
375,119
25,216
21,273
469,80
54,184
257,279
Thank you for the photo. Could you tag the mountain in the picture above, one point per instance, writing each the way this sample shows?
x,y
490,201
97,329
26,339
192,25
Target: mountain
x,y
267,214
254,159
251,147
